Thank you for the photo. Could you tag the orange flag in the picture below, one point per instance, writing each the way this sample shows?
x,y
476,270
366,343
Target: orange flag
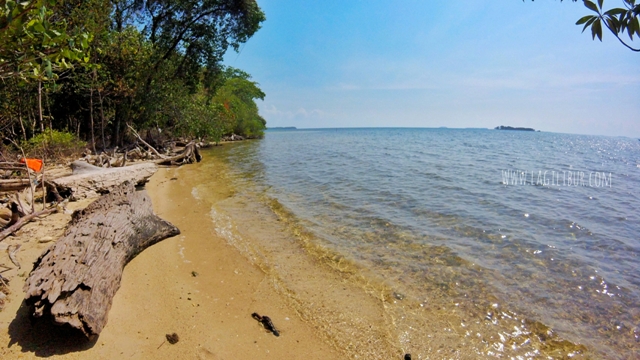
x,y
33,164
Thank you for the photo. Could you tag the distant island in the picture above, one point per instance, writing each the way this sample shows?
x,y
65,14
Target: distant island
x,y
282,128
502,127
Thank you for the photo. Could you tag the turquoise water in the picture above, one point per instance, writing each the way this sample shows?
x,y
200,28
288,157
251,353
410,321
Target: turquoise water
x,y
502,225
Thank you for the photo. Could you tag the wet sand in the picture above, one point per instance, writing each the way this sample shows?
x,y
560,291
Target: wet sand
x,y
195,285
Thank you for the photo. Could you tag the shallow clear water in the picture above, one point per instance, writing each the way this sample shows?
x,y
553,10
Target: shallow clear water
x,y
520,233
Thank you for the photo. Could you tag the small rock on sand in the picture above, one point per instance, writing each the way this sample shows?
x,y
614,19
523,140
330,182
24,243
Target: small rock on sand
x,y
173,338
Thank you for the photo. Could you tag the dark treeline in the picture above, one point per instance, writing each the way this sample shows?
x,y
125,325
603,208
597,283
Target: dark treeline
x,y
92,67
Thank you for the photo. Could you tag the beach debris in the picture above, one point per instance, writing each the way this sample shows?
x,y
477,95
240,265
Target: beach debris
x,y
189,154
172,338
12,250
17,221
194,274
3,294
4,290
45,239
398,295
75,279
407,356
267,323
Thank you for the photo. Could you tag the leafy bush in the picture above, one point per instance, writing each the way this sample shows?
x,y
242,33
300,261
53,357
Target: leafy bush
x,y
53,144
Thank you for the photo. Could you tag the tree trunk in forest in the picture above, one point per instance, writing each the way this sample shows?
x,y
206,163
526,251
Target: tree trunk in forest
x,y
116,129
104,144
40,106
75,280
24,132
32,115
46,100
93,137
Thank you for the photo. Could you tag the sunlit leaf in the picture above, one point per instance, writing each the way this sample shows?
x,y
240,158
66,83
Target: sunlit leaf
x,y
47,69
596,30
593,18
615,11
37,26
611,24
591,6
584,19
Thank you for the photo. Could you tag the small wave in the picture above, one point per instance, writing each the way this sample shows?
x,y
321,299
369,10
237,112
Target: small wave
x,y
224,228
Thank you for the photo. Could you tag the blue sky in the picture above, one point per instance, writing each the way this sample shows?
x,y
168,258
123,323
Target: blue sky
x,y
466,63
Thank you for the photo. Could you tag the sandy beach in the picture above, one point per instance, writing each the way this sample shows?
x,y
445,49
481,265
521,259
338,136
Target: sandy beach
x,y
195,285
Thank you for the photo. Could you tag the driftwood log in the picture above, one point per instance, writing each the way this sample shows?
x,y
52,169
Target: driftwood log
x,y
90,181
74,281
13,184
190,154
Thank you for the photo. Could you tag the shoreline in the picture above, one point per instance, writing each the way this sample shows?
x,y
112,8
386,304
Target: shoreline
x,y
240,253
159,294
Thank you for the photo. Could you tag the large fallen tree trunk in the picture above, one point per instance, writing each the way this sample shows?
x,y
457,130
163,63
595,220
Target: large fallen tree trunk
x,y
90,181
74,281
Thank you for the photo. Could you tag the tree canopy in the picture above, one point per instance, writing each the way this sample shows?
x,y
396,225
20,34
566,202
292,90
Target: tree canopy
x,y
92,66
619,21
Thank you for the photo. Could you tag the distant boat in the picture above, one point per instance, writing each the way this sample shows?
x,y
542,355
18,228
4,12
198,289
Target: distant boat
x,y
502,127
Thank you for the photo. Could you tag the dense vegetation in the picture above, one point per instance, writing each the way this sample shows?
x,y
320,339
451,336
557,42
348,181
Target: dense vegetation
x,y
90,67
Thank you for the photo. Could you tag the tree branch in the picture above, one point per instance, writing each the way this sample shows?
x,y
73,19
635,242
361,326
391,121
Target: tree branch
x,y
615,33
151,148
26,10
24,220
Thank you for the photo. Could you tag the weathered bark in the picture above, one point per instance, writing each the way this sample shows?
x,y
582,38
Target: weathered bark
x,y
13,184
75,280
90,181
10,185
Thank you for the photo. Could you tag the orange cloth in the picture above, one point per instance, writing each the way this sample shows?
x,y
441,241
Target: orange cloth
x,y
33,164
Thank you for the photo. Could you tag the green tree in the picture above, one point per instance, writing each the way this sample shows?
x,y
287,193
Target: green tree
x,y
619,21
237,96
152,64
34,48
35,42
183,36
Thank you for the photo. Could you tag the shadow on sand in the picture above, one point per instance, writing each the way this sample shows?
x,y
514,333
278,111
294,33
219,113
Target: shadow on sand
x,y
44,338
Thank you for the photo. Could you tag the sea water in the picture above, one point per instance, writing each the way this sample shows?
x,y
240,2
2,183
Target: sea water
x,y
477,243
